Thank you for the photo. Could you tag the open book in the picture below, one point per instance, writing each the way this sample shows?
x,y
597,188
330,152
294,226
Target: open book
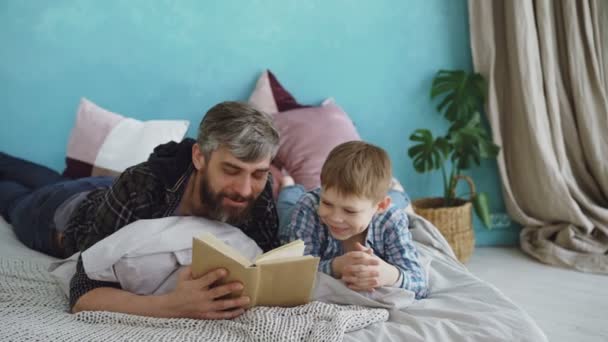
x,y
280,277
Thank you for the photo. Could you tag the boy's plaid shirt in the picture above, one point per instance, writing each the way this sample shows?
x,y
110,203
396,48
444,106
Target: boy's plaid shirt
x,y
387,235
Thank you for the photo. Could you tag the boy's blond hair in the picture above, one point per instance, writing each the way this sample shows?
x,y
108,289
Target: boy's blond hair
x,y
357,168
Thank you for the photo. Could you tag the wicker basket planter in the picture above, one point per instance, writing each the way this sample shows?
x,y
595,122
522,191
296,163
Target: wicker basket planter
x,y
454,222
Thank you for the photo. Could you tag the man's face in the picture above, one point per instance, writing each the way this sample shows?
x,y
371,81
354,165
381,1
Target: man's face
x,y
229,187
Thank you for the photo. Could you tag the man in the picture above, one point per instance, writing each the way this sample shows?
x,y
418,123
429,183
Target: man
x,y
223,175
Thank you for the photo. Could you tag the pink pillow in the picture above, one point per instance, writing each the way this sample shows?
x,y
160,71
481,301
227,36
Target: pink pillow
x,y
276,180
307,137
269,95
308,133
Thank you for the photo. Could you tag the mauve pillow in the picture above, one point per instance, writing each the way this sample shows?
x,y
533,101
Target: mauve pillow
x,y
307,137
308,133
271,97
276,180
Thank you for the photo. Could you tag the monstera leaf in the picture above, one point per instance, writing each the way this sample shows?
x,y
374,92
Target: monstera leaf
x,y
470,142
463,93
429,153
482,208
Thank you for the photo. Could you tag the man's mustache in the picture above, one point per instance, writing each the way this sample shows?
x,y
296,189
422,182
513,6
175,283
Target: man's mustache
x,y
237,198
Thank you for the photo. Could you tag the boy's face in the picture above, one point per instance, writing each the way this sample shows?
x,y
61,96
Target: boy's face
x,y
347,216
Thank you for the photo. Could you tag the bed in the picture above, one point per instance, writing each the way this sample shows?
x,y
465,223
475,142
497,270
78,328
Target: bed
x,y
461,307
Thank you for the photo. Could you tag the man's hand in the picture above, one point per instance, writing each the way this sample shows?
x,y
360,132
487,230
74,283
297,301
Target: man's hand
x,y
199,299
192,298
361,270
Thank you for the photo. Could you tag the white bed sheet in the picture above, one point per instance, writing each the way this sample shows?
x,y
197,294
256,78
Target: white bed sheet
x,y
461,307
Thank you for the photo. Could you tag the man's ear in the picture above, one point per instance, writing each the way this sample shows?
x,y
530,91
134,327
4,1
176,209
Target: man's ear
x,y
384,204
198,159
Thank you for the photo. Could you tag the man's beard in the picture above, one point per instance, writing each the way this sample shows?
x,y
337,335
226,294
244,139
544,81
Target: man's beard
x,y
216,211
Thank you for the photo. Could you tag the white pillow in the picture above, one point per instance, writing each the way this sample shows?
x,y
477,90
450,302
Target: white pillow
x,y
106,143
144,256
131,141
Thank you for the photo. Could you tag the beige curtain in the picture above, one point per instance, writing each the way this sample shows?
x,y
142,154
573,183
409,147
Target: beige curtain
x,y
603,37
545,62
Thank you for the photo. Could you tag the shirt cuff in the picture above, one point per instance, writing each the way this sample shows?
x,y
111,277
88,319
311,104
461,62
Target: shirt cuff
x,y
400,279
325,267
80,284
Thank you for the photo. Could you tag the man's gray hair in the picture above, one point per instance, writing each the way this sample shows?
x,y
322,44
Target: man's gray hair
x,y
249,134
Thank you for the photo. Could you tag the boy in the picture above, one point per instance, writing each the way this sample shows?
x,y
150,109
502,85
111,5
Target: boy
x,y
350,224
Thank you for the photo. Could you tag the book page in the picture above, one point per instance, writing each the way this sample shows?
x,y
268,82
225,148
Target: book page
x,y
292,249
223,248
288,282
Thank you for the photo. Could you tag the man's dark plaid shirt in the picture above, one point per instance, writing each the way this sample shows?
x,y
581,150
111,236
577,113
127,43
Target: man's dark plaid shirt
x,y
139,194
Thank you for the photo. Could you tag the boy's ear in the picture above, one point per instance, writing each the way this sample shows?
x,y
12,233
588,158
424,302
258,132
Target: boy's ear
x,y
198,159
384,204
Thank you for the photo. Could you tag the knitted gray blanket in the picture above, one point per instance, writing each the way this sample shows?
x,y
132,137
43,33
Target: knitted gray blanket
x,y
33,308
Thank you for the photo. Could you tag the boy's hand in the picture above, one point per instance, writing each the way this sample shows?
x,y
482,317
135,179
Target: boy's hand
x,y
341,266
364,271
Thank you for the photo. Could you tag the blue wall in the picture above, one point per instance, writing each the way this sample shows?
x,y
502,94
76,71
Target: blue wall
x,y
175,59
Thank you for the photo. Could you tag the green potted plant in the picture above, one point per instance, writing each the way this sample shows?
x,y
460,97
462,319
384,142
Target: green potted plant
x,y
464,144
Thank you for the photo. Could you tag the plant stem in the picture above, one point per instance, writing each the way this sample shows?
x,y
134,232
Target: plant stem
x,y
445,180
453,183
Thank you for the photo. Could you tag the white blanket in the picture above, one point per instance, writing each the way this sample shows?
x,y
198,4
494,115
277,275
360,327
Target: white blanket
x,y
33,308
461,307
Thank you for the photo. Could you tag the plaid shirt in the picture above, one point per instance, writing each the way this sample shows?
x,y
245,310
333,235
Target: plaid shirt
x,y
387,235
139,193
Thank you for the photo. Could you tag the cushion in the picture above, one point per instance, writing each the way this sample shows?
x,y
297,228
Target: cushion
x,y
307,137
146,255
269,95
308,133
104,143
276,180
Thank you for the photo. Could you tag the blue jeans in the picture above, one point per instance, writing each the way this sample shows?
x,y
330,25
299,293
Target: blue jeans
x,y
289,196
29,196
